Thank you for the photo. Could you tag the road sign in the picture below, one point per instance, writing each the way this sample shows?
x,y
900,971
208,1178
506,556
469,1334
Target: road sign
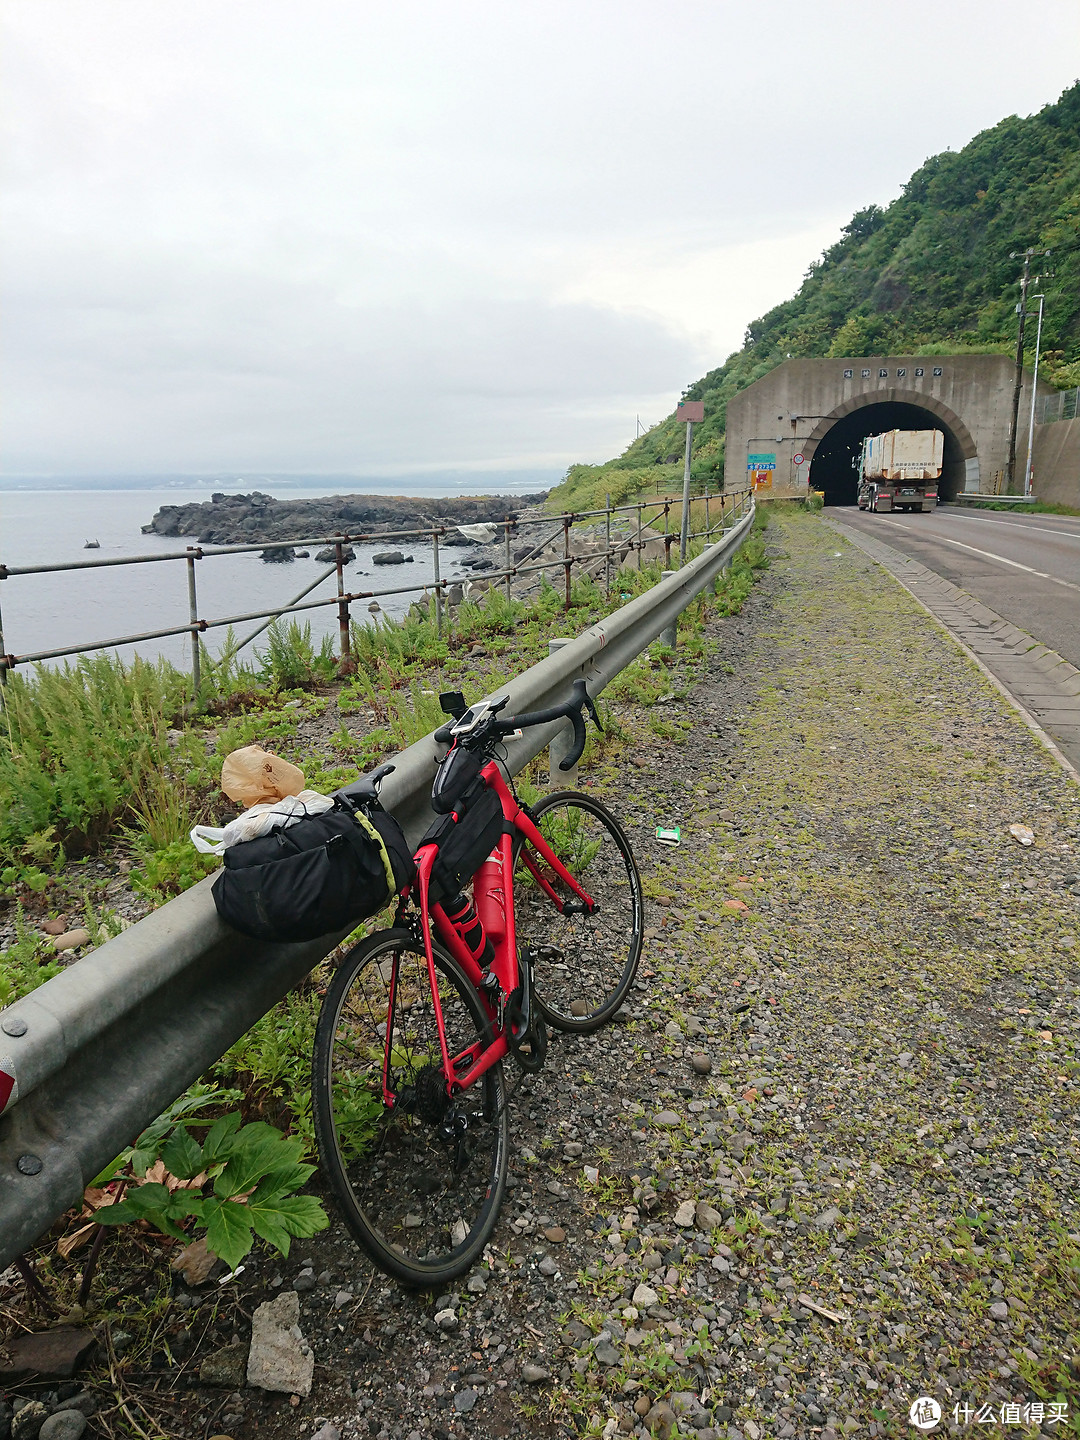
x,y
798,459
692,411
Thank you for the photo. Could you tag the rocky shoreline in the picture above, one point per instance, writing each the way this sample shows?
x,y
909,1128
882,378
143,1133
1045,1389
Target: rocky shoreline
x,y
249,519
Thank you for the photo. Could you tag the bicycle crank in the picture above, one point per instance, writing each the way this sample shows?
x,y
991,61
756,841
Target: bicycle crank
x,y
527,1034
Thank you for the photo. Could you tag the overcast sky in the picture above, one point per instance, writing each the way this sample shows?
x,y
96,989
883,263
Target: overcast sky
x,y
304,235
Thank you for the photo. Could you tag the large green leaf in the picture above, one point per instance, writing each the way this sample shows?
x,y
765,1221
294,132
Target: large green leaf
x,y
220,1138
181,1155
228,1229
294,1215
154,1203
257,1150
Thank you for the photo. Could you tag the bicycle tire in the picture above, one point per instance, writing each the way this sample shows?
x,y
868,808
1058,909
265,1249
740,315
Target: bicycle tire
x,y
584,983
421,1208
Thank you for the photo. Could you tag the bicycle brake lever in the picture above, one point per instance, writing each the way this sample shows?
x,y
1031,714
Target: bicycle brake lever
x,y
585,702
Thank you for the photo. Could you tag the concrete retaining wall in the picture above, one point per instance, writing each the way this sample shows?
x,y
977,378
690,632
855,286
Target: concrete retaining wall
x,y
1056,462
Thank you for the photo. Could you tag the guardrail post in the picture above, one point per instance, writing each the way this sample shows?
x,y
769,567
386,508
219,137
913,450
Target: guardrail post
x,y
193,616
669,637
607,548
561,742
345,663
438,581
506,539
639,535
567,562
668,537
708,526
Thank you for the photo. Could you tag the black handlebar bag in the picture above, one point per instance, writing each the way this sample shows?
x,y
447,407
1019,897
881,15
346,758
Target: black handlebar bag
x,y
323,874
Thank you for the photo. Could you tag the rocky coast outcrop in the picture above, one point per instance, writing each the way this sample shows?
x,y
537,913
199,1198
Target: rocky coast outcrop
x,y
249,519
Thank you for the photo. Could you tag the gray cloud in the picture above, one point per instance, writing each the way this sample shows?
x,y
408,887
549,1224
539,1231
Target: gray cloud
x,y
346,236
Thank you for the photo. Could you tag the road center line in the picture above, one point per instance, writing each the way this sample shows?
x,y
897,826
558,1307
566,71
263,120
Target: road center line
x,y
987,554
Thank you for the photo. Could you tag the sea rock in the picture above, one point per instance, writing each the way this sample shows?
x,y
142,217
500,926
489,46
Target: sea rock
x,y
279,1358
257,517
328,554
390,557
279,555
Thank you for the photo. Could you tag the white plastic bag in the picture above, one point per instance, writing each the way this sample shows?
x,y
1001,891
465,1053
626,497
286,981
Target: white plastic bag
x,y
260,820
483,534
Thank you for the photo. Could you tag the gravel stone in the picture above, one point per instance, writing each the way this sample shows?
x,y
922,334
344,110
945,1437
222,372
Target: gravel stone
x,y
26,1423
63,1425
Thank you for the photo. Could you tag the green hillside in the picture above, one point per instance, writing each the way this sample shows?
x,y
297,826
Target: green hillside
x,y
931,274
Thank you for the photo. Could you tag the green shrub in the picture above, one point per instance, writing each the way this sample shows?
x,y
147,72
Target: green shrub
x,y
77,744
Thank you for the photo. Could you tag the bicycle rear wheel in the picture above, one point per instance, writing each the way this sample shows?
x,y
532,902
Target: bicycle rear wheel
x,y
419,1181
583,965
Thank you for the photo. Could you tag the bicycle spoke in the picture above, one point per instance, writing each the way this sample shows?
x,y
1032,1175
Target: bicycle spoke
x,y
585,959
419,1180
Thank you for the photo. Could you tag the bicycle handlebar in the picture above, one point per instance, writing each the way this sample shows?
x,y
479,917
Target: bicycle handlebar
x,y
568,710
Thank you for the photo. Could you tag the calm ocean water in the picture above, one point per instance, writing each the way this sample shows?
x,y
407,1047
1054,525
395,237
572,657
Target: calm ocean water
x,y
46,612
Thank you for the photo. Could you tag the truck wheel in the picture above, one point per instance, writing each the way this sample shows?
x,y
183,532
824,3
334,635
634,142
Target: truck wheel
x,y
919,508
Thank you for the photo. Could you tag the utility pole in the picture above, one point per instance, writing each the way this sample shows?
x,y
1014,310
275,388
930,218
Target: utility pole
x,y
1034,387
1021,310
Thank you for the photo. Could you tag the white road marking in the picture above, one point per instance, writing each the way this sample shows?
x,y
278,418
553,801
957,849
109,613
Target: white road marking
x,y
987,554
1012,525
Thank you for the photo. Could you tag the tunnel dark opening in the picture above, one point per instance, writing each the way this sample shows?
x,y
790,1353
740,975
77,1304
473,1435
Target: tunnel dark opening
x,y
835,466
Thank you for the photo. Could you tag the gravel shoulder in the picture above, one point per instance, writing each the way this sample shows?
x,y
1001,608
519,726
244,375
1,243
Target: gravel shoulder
x,y
866,1189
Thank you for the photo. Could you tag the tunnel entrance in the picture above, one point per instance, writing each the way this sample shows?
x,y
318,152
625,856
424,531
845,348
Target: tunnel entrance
x,y
835,465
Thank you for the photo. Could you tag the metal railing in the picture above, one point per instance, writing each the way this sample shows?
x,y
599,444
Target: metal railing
x,y
88,1059
720,508
1062,406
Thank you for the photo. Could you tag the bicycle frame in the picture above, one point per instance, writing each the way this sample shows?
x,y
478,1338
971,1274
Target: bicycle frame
x,y
465,1068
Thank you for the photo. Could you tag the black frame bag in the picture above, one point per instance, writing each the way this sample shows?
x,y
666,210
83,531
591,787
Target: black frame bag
x,y
464,844
318,876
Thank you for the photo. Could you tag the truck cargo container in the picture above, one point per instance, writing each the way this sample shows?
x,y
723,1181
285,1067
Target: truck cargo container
x,y
900,470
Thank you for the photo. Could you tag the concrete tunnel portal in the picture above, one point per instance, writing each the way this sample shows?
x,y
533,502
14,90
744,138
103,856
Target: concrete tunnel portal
x,y
834,466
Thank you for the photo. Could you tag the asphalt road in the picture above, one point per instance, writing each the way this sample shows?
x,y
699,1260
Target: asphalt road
x,y
1026,567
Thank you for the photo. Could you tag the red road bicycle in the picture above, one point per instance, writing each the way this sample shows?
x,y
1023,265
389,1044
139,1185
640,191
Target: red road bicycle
x,y
409,1096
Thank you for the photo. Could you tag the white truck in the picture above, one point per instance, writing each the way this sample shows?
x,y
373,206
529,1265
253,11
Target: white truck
x,y
900,470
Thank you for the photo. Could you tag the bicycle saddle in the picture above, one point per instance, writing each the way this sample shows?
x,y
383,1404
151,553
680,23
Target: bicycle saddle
x,y
364,791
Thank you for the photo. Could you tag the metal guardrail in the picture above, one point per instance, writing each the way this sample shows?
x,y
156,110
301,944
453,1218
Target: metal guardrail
x,y
1062,406
437,586
96,1053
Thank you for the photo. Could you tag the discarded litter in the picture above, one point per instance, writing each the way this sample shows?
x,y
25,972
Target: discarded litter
x,y
1022,834
668,835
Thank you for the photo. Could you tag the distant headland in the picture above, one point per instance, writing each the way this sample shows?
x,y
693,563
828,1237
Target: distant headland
x,y
248,519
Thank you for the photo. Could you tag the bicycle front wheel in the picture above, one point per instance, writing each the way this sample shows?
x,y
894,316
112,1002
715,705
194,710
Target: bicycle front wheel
x,y
583,964
419,1177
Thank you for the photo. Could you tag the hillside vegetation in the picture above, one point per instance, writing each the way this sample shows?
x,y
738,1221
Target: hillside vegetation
x,y
930,274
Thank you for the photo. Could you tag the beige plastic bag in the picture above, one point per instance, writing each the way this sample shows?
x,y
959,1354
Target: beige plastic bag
x,y
252,776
